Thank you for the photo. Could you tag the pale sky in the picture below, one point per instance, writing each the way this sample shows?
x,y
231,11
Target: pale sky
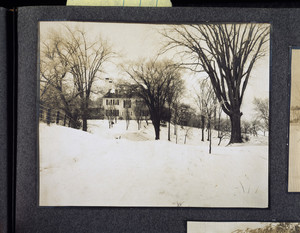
x,y
134,42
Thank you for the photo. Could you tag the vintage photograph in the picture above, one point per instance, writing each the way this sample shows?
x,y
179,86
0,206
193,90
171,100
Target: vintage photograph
x,y
294,137
153,114
243,227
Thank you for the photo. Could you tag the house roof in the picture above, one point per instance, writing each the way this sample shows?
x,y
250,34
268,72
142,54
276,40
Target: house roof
x,y
120,93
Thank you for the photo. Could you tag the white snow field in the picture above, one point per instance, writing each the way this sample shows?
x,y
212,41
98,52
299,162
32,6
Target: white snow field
x,y
119,167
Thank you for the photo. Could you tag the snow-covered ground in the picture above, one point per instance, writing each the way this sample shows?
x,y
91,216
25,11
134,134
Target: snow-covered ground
x,y
294,158
119,167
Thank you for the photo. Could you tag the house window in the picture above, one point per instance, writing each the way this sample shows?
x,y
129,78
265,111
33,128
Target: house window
x,y
112,112
106,102
127,103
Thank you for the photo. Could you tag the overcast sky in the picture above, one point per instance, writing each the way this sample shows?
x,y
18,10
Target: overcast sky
x,y
134,42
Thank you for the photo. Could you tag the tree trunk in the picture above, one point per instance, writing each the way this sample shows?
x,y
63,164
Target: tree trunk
x,y
208,127
156,125
84,122
209,130
236,136
84,110
202,127
169,131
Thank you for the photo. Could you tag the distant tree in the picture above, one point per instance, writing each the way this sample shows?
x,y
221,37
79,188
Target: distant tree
x,y
56,90
224,132
139,112
262,111
200,96
246,127
111,114
127,106
227,53
174,94
210,104
183,117
153,80
72,63
187,116
207,102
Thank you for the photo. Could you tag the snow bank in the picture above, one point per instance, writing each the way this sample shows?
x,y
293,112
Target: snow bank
x,y
115,167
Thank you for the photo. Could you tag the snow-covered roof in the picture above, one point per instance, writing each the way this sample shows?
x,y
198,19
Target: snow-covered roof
x,y
120,93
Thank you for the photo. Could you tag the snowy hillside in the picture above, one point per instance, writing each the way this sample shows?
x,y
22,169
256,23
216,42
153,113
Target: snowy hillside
x,y
119,167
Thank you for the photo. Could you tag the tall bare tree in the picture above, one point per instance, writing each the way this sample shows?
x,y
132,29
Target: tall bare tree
x,y
153,80
79,58
209,105
227,53
56,88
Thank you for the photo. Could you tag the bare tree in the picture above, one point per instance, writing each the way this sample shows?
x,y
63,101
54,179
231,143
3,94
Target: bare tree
x,y
199,99
262,112
210,104
81,60
140,112
227,53
207,103
224,132
153,80
175,91
56,87
127,105
185,117
111,113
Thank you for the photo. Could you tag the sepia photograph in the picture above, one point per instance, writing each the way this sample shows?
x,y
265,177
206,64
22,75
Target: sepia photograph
x,y
243,227
162,115
294,132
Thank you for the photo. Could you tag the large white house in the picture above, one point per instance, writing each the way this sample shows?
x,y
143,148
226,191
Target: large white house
x,y
122,104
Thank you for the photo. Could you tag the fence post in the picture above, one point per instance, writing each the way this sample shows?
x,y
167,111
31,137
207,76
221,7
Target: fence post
x,y
65,120
57,117
69,122
48,118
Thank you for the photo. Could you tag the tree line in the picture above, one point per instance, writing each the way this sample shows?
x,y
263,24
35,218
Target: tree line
x,y
71,63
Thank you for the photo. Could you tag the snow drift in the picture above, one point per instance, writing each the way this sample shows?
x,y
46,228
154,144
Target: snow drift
x,y
115,167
